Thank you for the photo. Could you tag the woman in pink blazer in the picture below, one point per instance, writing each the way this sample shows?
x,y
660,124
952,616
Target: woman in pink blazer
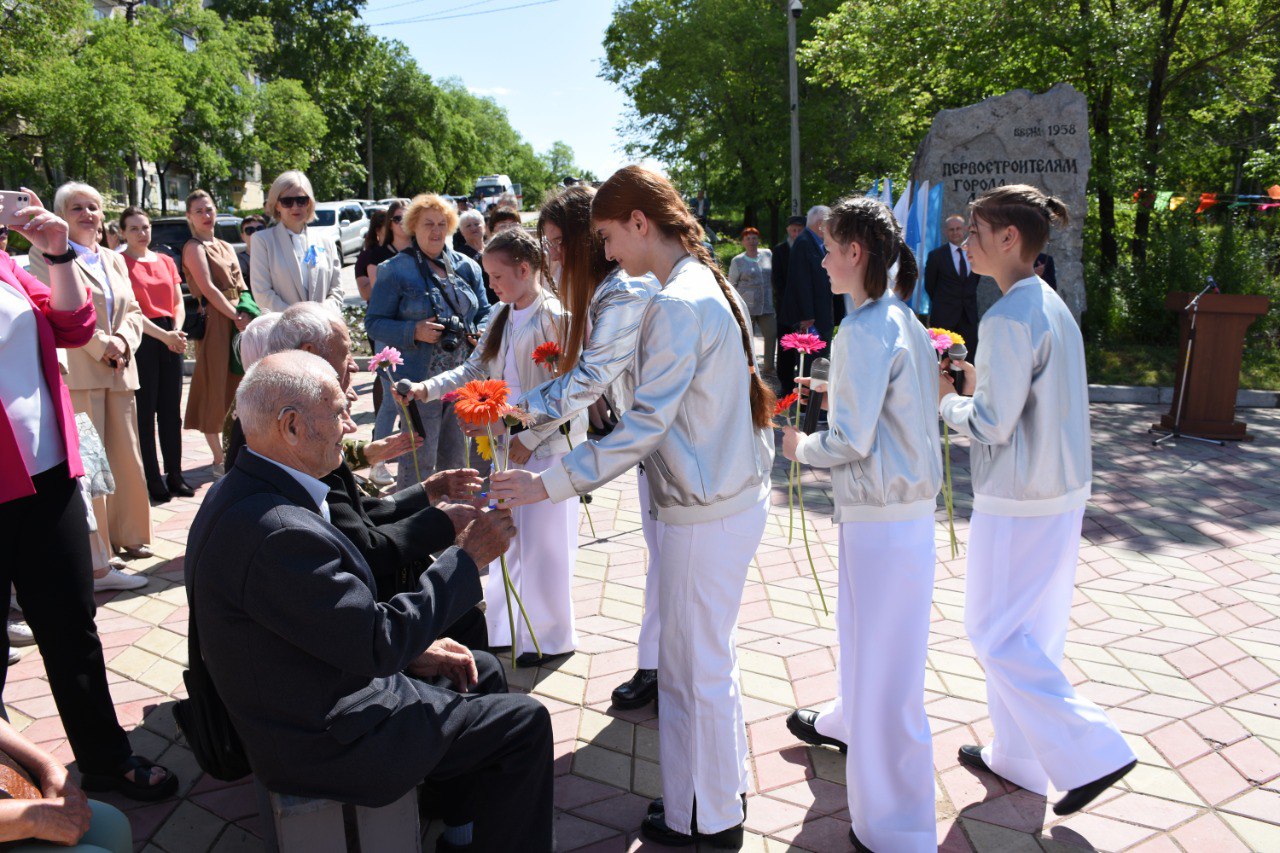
x,y
42,517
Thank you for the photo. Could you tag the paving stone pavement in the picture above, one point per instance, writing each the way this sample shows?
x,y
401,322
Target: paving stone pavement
x,y
1175,629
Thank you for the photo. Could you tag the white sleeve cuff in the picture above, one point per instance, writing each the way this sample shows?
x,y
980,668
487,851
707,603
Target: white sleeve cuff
x,y
556,481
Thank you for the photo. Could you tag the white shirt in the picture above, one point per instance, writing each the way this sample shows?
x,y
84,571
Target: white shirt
x,y
318,491
299,243
94,262
511,371
26,397
957,252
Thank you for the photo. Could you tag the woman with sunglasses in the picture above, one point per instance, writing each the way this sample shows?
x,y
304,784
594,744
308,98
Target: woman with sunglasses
x,y
250,225
290,264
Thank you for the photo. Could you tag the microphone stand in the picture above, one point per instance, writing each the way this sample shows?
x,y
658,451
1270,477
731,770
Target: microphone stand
x,y
1194,307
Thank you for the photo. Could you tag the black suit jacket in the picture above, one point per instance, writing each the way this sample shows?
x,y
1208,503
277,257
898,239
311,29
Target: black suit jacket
x,y
309,664
808,291
395,535
955,302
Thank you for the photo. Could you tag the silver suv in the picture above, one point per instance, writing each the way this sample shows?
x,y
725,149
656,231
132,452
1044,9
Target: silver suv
x,y
344,221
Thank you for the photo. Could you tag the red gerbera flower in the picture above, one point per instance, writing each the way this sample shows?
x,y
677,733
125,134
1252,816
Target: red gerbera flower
x,y
547,355
785,403
481,402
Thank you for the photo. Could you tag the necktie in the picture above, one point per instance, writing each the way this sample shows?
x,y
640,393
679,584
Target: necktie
x,y
964,268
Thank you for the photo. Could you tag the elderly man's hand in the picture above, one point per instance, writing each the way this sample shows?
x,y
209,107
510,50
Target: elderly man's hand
x,y
488,537
58,819
459,484
461,515
448,658
386,449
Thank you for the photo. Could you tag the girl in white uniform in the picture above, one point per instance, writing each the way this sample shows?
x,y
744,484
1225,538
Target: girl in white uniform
x,y
700,422
605,306
1028,421
886,469
543,553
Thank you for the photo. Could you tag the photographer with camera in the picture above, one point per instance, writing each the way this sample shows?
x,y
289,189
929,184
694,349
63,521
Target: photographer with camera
x,y
428,302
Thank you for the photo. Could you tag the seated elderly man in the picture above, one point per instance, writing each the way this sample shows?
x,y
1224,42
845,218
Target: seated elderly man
x,y
397,535
333,693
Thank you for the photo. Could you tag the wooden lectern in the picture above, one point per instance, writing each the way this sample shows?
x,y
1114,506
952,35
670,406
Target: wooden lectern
x,y
1210,387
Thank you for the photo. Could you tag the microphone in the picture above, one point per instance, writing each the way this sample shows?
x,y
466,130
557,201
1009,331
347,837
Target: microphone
x,y
405,389
957,352
819,374
1214,285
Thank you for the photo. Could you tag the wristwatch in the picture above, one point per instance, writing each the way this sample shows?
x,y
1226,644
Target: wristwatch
x,y
65,258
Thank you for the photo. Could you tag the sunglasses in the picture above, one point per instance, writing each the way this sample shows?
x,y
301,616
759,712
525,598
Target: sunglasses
x,y
295,201
251,229
397,218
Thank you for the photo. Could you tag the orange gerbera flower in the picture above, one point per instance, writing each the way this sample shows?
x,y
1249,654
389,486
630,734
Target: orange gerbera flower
x,y
482,402
547,354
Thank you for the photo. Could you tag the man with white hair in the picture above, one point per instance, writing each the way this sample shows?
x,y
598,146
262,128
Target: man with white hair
x,y
335,694
807,303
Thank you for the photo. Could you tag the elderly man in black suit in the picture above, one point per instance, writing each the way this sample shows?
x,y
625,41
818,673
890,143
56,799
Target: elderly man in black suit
x,y
807,301
952,286
333,693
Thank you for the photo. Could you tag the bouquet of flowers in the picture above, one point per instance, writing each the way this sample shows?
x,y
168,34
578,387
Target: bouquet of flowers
x,y
547,356
942,340
805,343
389,359
481,403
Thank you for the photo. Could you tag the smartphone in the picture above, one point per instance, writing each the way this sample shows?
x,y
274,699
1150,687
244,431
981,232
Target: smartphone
x,y
11,201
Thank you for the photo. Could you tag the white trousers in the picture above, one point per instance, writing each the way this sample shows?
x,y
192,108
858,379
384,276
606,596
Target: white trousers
x,y
1020,579
650,621
701,732
882,624
541,563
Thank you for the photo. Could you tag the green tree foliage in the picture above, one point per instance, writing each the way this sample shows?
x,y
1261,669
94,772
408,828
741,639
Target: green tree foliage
x,y
288,127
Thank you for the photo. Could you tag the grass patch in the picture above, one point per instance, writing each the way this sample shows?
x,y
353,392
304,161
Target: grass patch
x,y
1138,364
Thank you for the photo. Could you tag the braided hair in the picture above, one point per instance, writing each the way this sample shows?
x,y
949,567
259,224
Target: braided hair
x,y
1027,209
870,224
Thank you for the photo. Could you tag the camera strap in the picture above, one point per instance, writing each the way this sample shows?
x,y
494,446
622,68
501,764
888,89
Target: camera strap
x,y
424,269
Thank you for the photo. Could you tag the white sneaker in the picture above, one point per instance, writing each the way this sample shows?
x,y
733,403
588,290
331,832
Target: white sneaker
x,y
219,470
20,633
380,476
14,656
116,579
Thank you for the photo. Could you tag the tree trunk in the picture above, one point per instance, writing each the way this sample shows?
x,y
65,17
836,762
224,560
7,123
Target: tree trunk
x,y
164,189
1108,249
1152,129
368,149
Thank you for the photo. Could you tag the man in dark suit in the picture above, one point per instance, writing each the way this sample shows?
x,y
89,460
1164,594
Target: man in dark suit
x,y
952,286
781,257
807,301
334,694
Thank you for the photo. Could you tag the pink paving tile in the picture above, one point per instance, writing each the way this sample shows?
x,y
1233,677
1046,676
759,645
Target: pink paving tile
x,y
1209,833
816,796
769,735
146,820
1259,804
1096,832
825,834
230,804
574,833
951,838
1213,778
1178,743
965,787
1219,726
1252,674
1148,811
1020,810
768,816
1158,844
623,812
1190,661
573,792
1218,685
1254,759
778,769
815,690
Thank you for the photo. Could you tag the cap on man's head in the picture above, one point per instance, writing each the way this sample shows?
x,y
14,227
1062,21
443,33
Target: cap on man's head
x,y
797,220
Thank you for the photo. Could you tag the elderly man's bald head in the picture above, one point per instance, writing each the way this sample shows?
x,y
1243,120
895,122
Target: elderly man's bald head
x,y
294,411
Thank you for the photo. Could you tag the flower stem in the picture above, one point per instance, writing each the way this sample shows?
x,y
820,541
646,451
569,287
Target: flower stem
x,y
585,507
947,493
804,531
500,462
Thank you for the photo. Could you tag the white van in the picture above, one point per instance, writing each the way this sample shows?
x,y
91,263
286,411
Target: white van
x,y
488,190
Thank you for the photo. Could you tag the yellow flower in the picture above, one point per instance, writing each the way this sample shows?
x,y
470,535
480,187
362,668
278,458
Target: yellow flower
x,y
484,448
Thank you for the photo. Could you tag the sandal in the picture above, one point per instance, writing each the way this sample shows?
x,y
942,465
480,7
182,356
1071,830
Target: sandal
x,y
145,790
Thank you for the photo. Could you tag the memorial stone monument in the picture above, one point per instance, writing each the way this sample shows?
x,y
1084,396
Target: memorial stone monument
x,y
1018,138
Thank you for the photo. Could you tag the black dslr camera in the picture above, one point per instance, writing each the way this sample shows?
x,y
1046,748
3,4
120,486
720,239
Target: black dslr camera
x,y
455,333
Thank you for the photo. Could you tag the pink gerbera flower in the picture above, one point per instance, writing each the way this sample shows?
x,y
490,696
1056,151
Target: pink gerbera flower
x,y
805,342
390,356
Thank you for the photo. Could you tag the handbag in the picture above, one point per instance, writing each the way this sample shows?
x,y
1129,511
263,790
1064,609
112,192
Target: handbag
x,y
98,480
193,324
203,718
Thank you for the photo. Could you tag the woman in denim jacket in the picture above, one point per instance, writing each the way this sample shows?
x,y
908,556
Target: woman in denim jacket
x,y
428,302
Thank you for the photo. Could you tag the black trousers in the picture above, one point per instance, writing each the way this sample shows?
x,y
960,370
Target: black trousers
x,y
159,404
46,538
503,755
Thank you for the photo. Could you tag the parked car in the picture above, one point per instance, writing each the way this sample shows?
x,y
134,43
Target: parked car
x,y
489,188
344,221
170,233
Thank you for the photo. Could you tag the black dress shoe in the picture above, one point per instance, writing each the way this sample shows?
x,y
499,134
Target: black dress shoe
x,y
638,691
1078,798
858,845
180,487
158,493
654,828
971,756
801,724
529,659
656,805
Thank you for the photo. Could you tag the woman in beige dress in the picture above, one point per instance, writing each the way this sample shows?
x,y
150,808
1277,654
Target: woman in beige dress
x,y
213,275
103,376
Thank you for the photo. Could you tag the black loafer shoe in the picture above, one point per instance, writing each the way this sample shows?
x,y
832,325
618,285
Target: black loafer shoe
x,y
180,487
1078,798
158,493
858,845
640,690
654,828
529,659
801,724
971,756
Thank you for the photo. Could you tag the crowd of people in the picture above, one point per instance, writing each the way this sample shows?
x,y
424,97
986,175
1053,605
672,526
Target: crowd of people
x,y
350,635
